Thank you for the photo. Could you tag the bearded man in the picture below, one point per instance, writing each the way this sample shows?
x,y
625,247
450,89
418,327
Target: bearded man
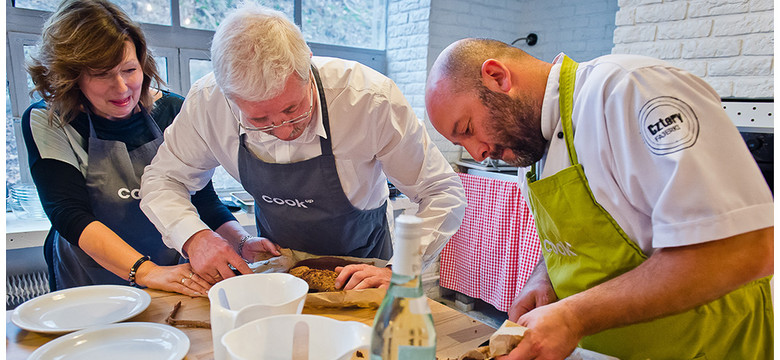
x,y
636,169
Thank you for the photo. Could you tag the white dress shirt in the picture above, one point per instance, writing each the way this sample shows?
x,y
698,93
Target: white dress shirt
x,y
690,182
375,136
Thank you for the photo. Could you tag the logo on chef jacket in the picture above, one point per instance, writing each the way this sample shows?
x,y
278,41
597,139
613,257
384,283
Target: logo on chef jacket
x,y
125,193
558,247
296,203
668,125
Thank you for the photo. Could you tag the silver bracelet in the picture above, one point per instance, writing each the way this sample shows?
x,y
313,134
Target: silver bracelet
x,y
241,245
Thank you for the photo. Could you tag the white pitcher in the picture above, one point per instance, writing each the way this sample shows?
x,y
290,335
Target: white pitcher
x,y
251,297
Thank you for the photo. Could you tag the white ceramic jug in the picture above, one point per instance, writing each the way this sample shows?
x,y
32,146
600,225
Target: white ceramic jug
x,y
251,297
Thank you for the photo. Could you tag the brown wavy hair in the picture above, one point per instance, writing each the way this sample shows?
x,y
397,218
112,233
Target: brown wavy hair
x,y
84,35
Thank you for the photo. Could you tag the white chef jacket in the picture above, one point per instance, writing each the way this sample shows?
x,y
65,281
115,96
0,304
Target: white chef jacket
x,y
660,154
374,133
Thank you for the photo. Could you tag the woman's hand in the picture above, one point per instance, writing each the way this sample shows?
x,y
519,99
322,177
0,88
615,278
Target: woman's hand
x,y
176,278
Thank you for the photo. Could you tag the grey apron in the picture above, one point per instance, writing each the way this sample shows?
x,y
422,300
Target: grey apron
x,y
302,205
113,183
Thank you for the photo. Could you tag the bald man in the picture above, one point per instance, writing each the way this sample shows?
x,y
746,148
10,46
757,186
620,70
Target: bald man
x,y
655,223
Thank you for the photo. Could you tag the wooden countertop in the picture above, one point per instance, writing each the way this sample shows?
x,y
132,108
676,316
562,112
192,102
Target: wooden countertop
x,y
456,332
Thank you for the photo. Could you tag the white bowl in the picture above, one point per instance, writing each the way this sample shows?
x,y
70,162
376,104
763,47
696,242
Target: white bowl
x,y
271,338
241,299
273,290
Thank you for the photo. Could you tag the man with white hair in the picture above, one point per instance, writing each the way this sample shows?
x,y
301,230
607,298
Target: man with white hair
x,y
313,139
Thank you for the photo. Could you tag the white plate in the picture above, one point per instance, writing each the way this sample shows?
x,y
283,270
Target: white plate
x,y
125,341
77,308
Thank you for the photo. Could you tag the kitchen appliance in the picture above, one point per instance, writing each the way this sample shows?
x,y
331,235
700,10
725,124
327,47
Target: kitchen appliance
x,y
754,119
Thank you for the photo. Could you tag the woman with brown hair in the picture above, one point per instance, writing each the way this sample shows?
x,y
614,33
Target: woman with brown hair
x,y
99,124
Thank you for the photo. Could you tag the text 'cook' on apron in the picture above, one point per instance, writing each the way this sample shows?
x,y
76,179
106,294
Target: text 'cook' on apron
x,y
583,246
113,182
302,205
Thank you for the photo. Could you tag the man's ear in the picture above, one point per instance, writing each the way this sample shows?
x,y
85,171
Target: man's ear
x,y
495,76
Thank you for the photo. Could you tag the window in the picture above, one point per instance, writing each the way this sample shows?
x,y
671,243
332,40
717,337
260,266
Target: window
x,y
162,67
11,154
199,68
206,14
147,11
179,34
359,23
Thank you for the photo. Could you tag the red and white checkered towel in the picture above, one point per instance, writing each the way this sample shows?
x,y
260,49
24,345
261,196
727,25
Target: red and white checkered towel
x,y
496,248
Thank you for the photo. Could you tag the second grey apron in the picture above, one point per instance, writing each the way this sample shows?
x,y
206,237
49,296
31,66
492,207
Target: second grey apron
x,y
302,205
113,182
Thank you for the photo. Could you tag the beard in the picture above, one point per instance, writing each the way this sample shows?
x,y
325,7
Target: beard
x,y
515,125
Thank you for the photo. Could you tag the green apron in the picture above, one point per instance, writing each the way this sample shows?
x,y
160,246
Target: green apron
x,y
584,246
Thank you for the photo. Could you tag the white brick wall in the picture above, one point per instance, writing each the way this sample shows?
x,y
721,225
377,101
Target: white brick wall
x,y
418,30
451,20
407,48
582,29
729,43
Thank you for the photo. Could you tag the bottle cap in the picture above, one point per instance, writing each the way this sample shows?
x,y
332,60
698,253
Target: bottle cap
x,y
408,227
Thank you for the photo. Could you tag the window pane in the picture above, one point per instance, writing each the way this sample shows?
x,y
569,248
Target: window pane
x,y
148,11
206,14
198,69
358,23
29,50
13,168
11,154
162,67
44,5
223,182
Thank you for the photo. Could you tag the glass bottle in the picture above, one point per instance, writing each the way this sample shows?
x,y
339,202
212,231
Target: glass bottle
x,y
403,326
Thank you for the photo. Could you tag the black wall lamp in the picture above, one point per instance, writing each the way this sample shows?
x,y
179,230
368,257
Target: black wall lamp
x,y
531,39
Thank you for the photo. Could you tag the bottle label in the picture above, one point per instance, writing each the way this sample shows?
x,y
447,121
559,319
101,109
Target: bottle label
x,y
416,352
419,305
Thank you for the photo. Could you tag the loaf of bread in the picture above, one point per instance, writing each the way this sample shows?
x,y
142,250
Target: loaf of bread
x,y
320,272
318,280
325,262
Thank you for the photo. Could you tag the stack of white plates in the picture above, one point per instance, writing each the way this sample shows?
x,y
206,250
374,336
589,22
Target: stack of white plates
x,y
26,196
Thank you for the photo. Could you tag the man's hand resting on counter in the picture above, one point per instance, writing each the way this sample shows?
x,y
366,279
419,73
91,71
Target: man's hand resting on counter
x,y
362,276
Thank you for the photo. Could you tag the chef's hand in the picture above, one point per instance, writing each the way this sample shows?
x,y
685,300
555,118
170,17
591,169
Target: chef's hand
x,y
259,248
553,333
177,278
362,276
210,255
538,291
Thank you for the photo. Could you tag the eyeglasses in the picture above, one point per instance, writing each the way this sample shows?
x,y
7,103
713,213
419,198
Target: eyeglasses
x,y
268,128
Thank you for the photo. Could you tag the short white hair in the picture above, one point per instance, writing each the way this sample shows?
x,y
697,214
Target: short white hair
x,y
255,50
